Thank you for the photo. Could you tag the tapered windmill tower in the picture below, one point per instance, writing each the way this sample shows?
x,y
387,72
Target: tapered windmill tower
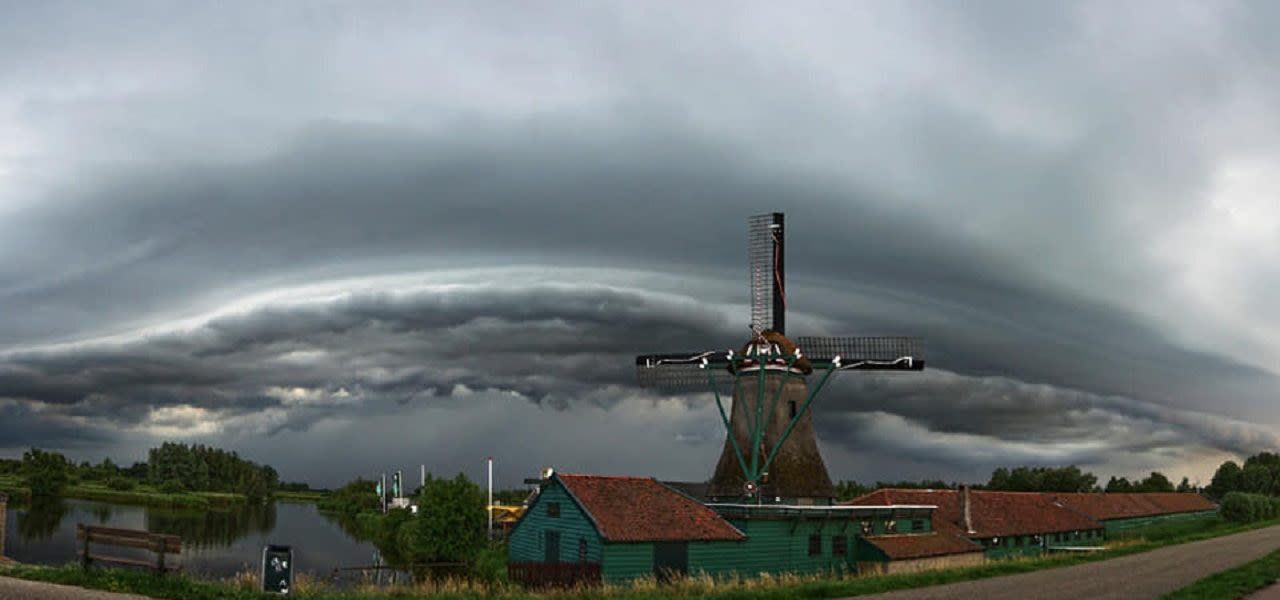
x,y
770,452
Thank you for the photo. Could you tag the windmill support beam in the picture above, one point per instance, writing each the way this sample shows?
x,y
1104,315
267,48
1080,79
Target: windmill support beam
x,y
725,418
813,393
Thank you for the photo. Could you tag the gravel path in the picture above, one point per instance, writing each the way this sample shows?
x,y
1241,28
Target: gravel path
x,y
21,589
1146,575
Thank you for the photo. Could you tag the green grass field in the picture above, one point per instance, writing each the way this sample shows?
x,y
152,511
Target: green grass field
x,y
1233,583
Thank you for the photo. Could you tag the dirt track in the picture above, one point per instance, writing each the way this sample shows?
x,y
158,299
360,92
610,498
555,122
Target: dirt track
x,y
1146,575
19,589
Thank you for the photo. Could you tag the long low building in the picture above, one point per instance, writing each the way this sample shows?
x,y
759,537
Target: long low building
x,y
1029,523
617,529
1120,512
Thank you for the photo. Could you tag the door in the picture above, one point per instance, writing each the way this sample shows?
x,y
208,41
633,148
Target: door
x,y
553,547
670,559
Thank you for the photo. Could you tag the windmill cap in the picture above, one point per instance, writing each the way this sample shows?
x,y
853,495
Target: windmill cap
x,y
783,343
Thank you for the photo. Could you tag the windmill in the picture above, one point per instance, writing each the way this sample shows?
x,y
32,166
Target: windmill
x,y
770,450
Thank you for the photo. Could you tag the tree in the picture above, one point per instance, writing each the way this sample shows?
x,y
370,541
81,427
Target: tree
x,y
1225,480
1185,486
1118,485
46,473
999,479
1157,482
450,523
1255,479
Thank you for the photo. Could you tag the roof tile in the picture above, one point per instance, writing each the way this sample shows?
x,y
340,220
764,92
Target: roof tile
x,y
994,513
1130,505
640,509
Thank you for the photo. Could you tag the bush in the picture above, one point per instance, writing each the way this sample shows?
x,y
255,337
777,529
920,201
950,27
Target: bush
x,y
121,484
172,486
1240,507
44,472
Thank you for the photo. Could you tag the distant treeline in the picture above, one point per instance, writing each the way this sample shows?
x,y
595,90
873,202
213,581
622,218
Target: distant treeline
x,y
171,468
1036,479
1260,475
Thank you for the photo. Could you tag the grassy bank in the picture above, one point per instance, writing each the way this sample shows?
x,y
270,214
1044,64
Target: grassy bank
x,y
765,588
300,496
144,495
1233,583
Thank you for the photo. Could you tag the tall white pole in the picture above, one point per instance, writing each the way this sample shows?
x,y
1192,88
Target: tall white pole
x,y
489,508
424,476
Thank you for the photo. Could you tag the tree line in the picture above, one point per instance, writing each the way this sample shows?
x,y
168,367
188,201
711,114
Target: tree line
x,y
171,468
1259,475
1040,479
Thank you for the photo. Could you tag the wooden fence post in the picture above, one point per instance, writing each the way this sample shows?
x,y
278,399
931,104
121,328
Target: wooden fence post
x,y
4,502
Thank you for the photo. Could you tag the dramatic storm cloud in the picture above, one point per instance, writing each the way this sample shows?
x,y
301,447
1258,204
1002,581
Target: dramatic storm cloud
x,y
443,231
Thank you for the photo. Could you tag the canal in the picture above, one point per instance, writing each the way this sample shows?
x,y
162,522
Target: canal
x,y
215,543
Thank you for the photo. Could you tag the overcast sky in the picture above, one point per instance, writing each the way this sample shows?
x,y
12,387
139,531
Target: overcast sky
x,y
345,238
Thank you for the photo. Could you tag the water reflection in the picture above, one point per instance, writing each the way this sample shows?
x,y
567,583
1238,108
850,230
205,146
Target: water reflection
x,y
102,513
211,528
40,520
214,543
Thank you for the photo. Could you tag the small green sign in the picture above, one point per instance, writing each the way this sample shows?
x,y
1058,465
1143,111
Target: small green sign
x,y
277,569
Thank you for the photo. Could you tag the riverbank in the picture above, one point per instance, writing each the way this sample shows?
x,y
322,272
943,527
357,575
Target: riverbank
x,y
142,495
763,588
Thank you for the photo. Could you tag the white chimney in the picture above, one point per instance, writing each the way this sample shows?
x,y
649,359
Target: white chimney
x,y
965,508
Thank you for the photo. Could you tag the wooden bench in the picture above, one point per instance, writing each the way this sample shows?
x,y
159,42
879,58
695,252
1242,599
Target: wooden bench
x,y
159,543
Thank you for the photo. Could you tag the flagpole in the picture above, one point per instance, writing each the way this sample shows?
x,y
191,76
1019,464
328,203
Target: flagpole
x,y
489,508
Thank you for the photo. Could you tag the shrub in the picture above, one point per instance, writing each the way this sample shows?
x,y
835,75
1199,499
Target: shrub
x,y
44,472
172,486
1238,507
121,484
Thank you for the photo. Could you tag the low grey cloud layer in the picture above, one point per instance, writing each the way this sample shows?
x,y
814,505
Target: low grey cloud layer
x,y
247,227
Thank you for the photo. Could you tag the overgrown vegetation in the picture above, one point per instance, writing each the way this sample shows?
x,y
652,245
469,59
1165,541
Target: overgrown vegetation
x,y
1259,475
1240,507
1233,583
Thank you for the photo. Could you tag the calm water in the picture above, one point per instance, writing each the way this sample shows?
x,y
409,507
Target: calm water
x,y
214,543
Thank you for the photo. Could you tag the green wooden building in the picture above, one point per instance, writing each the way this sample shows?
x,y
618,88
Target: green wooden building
x,y
622,528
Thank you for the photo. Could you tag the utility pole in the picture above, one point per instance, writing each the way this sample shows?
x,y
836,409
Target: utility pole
x,y
489,507
423,483
383,499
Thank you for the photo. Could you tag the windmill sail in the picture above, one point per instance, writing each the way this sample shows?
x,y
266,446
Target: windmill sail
x,y
766,257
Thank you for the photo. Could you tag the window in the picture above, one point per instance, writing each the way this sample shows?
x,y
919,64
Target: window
x,y
815,545
582,549
553,509
793,408
866,528
1018,542
839,545
891,527
917,525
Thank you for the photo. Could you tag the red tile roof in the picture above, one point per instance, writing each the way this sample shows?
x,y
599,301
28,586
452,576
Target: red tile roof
x,y
945,540
640,509
1125,506
993,513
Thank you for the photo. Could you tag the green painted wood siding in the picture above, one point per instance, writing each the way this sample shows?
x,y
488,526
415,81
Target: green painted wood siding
x,y
1115,526
773,547
527,540
624,562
